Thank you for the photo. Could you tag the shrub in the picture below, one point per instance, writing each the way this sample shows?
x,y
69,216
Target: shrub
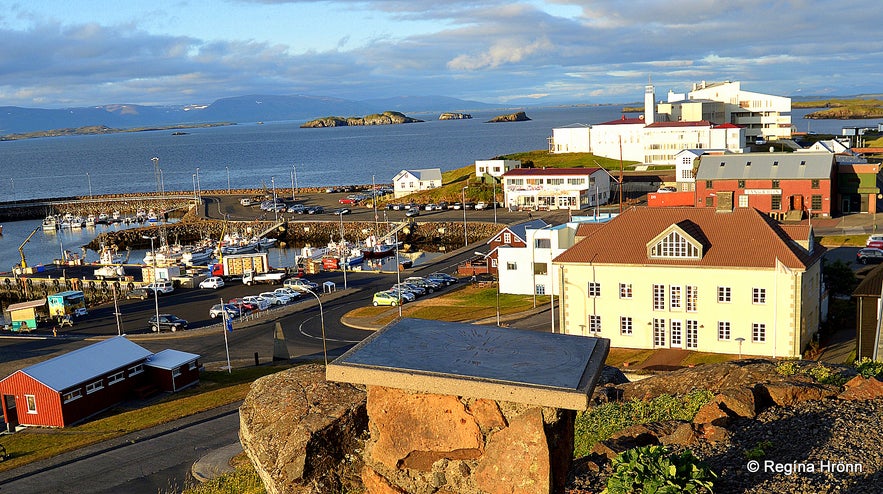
x,y
869,368
599,423
653,469
826,375
759,450
787,367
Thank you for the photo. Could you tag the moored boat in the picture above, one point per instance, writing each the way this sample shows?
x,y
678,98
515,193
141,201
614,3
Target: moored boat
x,y
50,223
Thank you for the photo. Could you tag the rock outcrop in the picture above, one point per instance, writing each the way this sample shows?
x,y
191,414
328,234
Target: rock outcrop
x,y
454,116
302,433
512,117
385,118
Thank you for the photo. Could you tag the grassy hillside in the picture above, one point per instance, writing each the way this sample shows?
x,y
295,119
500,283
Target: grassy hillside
x,y
453,181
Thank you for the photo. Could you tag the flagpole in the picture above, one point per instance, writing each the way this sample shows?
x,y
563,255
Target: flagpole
x,y
228,326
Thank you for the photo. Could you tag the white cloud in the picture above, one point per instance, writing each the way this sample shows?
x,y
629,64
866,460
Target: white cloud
x,y
502,52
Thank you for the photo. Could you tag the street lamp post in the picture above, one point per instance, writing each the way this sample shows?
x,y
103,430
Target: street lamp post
x,y
198,188
89,180
193,178
275,209
463,204
398,274
322,321
495,198
228,178
155,293
293,181
343,253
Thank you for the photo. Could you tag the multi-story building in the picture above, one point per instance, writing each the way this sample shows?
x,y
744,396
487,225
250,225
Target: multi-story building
x,y
573,138
694,278
783,185
409,181
494,168
556,188
664,140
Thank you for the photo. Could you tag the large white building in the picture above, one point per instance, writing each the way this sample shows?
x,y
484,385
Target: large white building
x,y
548,189
409,181
573,138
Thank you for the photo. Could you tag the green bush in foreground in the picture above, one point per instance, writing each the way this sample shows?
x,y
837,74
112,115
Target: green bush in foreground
x,y
653,469
599,423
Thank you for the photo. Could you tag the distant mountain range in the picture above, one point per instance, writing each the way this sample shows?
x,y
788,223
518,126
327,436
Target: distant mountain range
x,y
239,109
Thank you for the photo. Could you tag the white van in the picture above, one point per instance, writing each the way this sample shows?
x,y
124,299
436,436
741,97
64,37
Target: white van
x,y
161,287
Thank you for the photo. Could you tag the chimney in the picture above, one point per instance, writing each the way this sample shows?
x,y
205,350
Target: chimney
x,y
649,104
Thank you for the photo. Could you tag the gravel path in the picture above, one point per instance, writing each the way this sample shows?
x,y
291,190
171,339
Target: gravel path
x,y
829,446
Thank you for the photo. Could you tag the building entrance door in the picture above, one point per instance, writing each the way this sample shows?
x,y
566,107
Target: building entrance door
x,y
676,337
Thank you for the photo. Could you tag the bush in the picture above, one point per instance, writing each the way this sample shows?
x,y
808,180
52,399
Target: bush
x,y
653,469
787,367
599,423
869,368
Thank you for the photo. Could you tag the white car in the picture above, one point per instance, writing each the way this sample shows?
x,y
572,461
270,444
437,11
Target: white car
x,y
276,298
160,287
300,284
213,282
260,302
292,294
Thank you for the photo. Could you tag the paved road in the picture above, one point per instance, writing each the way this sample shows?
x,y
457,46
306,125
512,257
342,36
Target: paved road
x,y
160,463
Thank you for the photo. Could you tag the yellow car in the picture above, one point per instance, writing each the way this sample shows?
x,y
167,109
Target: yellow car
x,y
385,298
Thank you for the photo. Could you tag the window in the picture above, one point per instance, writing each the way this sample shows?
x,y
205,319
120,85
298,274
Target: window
x,y
93,387
758,332
32,403
540,289
191,365
72,395
511,265
776,201
723,294
676,333
775,184
709,202
540,268
658,297
119,376
758,295
658,332
723,330
815,183
594,289
743,201
493,262
816,202
625,290
576,181
507,238
594,324
674,297
709,184
176,372
543,243
741,183
625,325
692,334
674,245
134,371
692,297
555,181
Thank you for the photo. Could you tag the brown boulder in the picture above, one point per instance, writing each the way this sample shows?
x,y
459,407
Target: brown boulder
x,y
297,429
712,413
628,438
426,427
487,414
714,433
517,458
374,483
737,402
713,377
683,435
860,388
791,393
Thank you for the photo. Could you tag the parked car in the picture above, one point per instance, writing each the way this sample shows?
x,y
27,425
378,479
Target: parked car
x,y
300,284
160,287
256,300
875,241
347,200
405,295
246,306
341,211
276,298
412,212
167,322
385,298
481,205
429,286
218,310
666,189
869,255
139,293
442,278
291,293
213,282
296,208
315,210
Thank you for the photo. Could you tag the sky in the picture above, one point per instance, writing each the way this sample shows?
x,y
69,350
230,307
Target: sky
x,y
70,53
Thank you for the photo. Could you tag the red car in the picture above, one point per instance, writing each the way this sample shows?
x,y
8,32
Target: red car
x,y
347,200
239,303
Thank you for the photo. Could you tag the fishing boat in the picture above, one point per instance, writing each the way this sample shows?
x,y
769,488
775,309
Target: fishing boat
x,y
374,249
152,217
90,220
50,223
116,217
77,222
102,219
197,255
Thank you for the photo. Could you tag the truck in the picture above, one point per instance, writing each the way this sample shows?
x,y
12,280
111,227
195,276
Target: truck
x,y
252,278
64,306
235,265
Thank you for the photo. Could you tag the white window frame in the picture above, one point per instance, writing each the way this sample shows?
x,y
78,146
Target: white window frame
x,y
692,298
758,296
594,289
724,294
191,366
507,236
625,290
594,324
31,402
674,297
724,331
676,333
95,386
691,342
72,395
626,327
658,332
176,372
118,377
136,369
758,332
511,265
658,297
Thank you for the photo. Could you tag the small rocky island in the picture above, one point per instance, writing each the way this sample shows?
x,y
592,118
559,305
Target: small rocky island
x,y
512,117
385,118
454,116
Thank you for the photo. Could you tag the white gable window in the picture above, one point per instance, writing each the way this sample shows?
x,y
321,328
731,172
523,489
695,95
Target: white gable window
x,y
675,245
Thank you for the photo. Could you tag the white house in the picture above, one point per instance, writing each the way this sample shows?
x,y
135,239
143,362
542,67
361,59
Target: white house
x,y
494,168
556,188
573,138
410,181
685,164
619,138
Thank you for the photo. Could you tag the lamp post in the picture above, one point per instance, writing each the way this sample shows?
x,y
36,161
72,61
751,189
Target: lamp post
x,y
465,237
740,340
12,182
193,179
495,199
228,178
89,180
322,321
275,209
198,188
155,161
398,274
155,293
343,254
293,181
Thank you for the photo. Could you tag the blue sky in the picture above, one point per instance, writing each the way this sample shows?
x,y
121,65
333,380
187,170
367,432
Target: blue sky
x,y
521,52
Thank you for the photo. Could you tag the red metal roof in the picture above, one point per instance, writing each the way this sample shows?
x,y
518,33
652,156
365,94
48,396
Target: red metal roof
x,y
698,123
728,126
549,171
624,121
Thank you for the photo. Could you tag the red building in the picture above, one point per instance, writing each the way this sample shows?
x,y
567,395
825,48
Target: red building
x,y
783,185
70,388
509,236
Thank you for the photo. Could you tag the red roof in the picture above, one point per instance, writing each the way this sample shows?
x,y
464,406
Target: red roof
x,y
728,126
549,171
743,237
699,123
623,120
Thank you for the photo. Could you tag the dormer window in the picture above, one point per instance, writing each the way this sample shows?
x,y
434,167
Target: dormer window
x,y
675,245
